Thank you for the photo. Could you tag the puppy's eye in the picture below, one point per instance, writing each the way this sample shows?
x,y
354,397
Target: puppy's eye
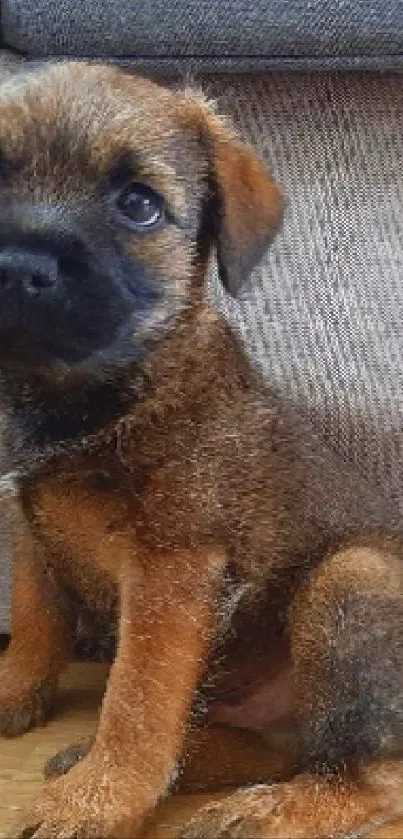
x,y
141,206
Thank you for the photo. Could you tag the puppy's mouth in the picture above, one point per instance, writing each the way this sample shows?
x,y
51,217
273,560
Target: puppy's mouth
x,y
52,338
56,350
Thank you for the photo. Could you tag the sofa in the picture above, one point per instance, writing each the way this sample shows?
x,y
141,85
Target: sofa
x,y
315,86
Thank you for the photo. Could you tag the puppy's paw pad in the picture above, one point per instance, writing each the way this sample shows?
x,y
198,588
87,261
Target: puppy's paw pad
x,y
63,761
26,832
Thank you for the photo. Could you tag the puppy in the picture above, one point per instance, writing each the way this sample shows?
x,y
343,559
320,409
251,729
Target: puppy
x,y
167,489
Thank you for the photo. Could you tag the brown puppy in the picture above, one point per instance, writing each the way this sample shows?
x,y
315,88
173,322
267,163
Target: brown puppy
x,y
164,486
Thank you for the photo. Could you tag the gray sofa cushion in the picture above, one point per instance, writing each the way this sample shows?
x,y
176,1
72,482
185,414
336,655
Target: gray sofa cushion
x,y
208,35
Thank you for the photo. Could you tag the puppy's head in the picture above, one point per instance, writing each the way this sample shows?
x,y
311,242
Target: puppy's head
x,y
112,189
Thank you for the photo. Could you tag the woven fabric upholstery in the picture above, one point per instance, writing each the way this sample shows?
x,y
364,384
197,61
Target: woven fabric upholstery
x,y
231,34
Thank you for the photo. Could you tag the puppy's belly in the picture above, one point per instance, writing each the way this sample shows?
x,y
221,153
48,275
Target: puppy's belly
x,y
258,706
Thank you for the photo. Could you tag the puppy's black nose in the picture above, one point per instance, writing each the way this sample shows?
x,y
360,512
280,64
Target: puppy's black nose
x,y
32,272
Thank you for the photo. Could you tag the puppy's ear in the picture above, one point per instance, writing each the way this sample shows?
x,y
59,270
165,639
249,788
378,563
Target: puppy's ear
x,y
246,206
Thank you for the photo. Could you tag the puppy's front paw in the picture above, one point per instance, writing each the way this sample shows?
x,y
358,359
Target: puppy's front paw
x,y
24,706
305,808
91,802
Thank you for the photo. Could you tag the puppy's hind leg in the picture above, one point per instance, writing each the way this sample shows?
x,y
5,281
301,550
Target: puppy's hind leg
x,y
347,644
213,758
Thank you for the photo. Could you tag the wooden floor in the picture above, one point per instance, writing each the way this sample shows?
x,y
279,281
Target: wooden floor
x,y
22,759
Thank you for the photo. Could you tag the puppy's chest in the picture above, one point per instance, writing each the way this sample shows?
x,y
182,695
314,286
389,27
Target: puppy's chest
x,y
87,528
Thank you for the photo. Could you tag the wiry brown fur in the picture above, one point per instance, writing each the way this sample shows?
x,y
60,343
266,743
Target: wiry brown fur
x,y
238,557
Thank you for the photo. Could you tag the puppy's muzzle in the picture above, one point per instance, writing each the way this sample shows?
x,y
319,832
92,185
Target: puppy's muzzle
x,y
27,273
64,299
